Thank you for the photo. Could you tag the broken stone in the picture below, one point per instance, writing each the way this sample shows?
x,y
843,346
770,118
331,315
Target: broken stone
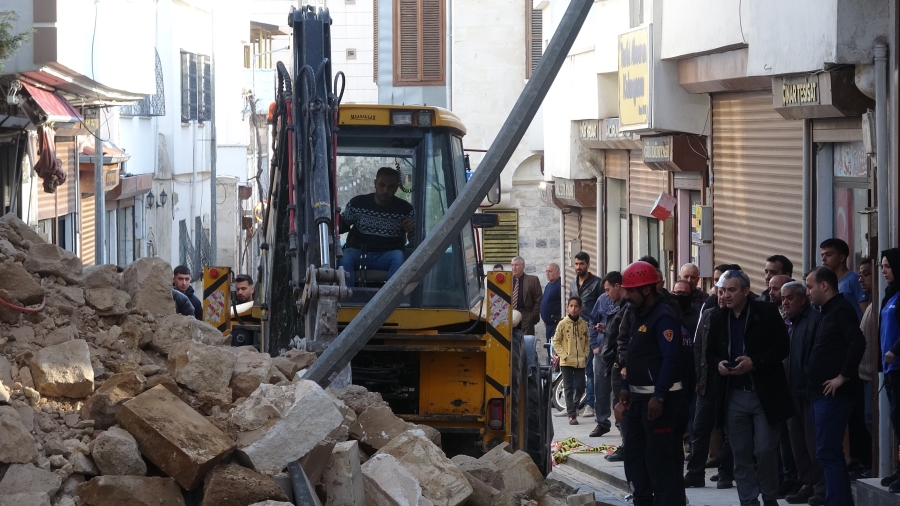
x,y
100,276
234,485
433,434
71,420
176,328
51,260
82,464
58,461
482,493
26,499
343,477
583,499
201,367
342,432
287,366
74,294
174,437
5,393
20,285
519,474
16,442
272,503
116,453
356,397
108,301
388,483
61,335
148,281
441,481
482,469
282,424
6,371
250,370
104,405
26,415
375,427
64,370
21,478
314,462
18,232
130,491
23,336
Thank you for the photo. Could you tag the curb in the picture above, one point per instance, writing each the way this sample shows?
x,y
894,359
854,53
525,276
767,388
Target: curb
x,y
574,462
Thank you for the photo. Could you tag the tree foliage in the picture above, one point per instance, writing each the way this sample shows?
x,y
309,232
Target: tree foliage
x,y
10,41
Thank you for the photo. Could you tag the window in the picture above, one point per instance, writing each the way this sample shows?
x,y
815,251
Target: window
x,y
419,42
196,87
151,105
375,35
534,40
501,243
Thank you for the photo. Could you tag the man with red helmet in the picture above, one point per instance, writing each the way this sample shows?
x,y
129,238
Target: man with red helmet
x,y
652,393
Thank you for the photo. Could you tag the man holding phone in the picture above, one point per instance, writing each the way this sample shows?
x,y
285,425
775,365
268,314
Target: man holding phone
x,y
748,341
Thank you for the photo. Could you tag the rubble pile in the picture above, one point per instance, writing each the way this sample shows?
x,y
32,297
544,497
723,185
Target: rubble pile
x,y
109,398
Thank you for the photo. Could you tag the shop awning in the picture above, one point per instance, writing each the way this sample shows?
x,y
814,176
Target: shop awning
x,y
51,107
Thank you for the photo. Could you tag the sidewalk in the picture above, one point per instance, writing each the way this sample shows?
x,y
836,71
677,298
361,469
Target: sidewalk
x,y
613,473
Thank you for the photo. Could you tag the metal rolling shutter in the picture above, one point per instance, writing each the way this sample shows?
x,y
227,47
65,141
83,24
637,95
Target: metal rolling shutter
x,y
68,200
501,243
589,236
644,185
757,163
580,227
87,231
570,224
617,161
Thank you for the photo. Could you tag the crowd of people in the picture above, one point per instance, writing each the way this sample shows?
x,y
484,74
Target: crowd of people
x,y
762,386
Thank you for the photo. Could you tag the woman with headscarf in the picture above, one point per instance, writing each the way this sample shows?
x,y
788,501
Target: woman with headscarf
x,y
889,331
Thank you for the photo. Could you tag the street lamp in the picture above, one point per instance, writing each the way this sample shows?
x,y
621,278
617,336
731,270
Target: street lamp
x,y
162,199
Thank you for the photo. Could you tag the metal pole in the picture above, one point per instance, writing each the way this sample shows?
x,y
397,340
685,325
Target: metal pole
x,y
809,230
212,162
99,199
887,457
373,315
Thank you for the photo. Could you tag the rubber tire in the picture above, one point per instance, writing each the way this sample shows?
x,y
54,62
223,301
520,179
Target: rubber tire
x,y
558,395
539,424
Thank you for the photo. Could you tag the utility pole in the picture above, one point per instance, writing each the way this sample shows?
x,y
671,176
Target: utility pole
x,y
212,160
99,198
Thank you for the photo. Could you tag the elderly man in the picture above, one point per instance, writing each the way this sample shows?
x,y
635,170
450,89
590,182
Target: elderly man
x,y
803,323
526,296
691,273
551,301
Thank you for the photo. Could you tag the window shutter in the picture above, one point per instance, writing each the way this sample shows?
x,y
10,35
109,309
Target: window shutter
x,y
375,35
432,40
537,39
193,86
204,88
409,40
185,87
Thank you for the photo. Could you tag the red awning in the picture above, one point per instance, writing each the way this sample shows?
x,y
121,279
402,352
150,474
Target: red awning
x,y
54,106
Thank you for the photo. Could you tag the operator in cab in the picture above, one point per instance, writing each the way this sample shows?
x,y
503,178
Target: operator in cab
x,y
379,224
243,290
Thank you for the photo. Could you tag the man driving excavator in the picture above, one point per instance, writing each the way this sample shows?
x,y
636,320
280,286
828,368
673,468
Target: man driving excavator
x,y
379,224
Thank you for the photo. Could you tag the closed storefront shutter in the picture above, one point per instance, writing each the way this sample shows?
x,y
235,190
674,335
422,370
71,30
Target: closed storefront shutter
x,y
617,161
757,163
571,244
589,236
65,200
644,185
580,235
87,231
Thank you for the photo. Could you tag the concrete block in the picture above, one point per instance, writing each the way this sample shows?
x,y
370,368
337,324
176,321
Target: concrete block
x,y
484,470
441,481
104,405
63,370
314,462
234,485
177,439
376,426
200,367
518,472
482,493
388,483
343,479
585,499
130,491
280,424
250,370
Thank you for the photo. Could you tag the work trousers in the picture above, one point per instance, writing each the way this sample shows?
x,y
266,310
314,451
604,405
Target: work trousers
x,y
589,382
860,438
602,392
752,439
802,431
573,386
832,414
704,423
653,458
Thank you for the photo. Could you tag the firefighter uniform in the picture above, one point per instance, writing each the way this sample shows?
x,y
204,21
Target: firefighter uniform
x,y
653,453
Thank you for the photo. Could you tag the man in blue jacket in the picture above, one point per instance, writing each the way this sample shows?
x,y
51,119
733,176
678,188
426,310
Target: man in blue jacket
x,y
551,302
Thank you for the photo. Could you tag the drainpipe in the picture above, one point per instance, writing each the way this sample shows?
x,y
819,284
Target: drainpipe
x,y
808,199
886,455
449,54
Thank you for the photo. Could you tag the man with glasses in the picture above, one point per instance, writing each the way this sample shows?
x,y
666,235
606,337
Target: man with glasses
x,y
748,342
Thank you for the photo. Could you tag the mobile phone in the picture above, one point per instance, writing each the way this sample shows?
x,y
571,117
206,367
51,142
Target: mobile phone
x,y
731,365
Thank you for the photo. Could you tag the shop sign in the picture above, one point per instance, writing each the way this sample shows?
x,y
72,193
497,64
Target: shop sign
x,y
110,177
611,131
634,78
800,90
575,192
657,149
589,130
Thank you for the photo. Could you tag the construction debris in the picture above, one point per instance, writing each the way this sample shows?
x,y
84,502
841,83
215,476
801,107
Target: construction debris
x,y
102,384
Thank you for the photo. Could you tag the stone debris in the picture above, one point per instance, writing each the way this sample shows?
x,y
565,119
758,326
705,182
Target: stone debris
x,y
149,283
26,499
177,328
64,370
104,405
130,491
50,260
272,503
177,439
24,478
201,367
116,453
16,443
585,499
234,485
375,427
343,477
251,369
441,481
388,483
100,277
108,301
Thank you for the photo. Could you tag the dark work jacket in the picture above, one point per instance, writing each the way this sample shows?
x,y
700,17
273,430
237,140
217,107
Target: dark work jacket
x,y
767,344
802,338
654,348
611,337
198,306
183,304
589,293
838,348
702,370
551,303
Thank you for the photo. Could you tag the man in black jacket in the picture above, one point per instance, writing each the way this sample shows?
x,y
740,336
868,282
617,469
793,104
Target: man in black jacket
x,y
181,281
833,372
612,285
748,342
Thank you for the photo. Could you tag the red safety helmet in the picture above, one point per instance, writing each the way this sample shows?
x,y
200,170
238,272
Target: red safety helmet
x,y
639,274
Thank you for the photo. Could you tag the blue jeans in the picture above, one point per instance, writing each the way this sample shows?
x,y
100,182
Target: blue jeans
x,y
378,260
832,414
589,383
602,392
